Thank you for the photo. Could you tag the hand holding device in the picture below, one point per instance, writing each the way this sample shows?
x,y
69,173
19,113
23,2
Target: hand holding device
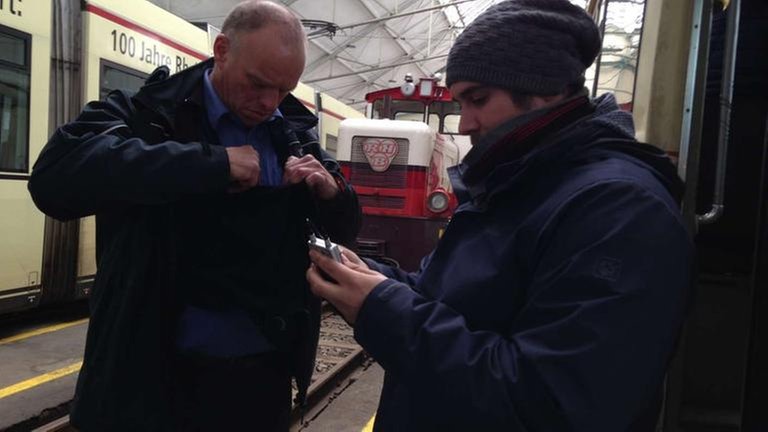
x,y
325,247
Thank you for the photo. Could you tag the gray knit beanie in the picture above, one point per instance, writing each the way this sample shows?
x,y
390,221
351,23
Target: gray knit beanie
x,y
531,46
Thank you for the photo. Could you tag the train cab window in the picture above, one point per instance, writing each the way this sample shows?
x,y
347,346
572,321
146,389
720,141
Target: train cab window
x,y
381,108
449,112
331,144
451,124
434,123
14,100
409,116
114,76
406,110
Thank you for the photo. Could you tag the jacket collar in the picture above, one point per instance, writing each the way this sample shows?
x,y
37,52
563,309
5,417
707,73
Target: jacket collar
x,y
165,95
506,149
215,108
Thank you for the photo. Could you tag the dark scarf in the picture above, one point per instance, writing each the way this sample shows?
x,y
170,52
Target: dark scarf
x,y
518,136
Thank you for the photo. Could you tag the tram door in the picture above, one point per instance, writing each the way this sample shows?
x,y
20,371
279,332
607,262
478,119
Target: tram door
x,y
24,51
684,102
717,381
723,385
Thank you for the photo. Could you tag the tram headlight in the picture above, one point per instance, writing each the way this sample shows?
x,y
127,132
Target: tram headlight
x,y
437,201
408,88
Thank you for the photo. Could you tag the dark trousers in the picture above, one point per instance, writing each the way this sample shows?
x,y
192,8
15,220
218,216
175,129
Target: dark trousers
x,y
242,394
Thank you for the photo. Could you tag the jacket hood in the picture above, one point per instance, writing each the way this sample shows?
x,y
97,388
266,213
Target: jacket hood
x,y
163,92
611,133
610,120
607,132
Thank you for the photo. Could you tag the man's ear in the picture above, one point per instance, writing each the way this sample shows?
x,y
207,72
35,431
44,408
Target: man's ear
x,y
539,101
221,48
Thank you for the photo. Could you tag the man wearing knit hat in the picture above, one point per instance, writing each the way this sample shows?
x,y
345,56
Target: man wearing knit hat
x,y
555,296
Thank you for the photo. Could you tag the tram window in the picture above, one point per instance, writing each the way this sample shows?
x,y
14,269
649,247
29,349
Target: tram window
x,y
407,106
14,100
409,116
14,49
114,76
331,144
380,108
451,124
434,123
619,56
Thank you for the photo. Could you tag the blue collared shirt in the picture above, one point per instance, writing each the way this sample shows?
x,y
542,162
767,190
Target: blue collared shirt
x,y
233,133
230,333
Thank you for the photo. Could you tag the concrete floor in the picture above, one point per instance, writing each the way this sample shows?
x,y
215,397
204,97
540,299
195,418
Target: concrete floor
x,y
352,409
25,363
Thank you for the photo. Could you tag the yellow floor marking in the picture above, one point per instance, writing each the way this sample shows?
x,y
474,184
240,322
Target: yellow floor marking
x,y
369,426
41,331
41,379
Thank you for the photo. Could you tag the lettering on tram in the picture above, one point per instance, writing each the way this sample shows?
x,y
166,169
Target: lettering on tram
x,y
11,6
127,45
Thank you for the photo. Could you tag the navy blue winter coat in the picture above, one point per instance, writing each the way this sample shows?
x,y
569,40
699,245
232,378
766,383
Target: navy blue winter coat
x,y
552,302
168,235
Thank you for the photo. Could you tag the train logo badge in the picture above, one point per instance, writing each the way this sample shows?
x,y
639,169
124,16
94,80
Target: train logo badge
x,y
380,152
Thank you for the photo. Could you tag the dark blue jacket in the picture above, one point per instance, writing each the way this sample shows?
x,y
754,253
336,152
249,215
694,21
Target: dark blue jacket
x,y
168,235
552,302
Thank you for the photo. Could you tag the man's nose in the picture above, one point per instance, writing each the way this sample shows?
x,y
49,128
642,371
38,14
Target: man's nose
x,y
270,98
467,124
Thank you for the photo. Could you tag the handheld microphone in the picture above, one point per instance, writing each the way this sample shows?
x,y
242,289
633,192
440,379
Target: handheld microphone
x,y
294,145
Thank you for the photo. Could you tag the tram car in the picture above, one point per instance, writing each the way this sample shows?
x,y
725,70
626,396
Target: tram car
x,y
55,56
397,160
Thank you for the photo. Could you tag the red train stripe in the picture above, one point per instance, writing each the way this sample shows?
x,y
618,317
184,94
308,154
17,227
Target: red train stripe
x,y
329,112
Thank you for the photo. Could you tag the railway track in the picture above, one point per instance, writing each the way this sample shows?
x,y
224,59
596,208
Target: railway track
x,y
338,356
336,351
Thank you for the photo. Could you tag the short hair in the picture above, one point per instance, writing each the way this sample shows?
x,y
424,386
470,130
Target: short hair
x,y
252,15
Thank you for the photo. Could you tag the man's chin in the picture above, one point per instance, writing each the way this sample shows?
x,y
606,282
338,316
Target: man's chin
x,y
251,120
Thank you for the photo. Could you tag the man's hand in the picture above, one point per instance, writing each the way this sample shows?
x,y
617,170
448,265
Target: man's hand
x,y
309,169
244,168
351,260
353,282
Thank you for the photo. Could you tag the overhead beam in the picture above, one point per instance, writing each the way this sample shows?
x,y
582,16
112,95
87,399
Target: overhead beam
x,y
372,80
332,54
395,36
389,66
338,49
395,16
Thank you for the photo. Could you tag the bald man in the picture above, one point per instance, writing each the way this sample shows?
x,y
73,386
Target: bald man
x,y
201,184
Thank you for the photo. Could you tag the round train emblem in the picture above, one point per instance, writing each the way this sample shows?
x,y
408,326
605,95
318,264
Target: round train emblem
x,y
380,152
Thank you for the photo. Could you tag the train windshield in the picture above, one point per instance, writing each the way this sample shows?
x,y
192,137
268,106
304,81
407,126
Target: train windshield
x,y
441,116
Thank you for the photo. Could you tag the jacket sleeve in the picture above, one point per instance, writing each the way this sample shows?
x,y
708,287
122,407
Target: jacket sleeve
x,y
588,349
341,216
408,278
95,164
